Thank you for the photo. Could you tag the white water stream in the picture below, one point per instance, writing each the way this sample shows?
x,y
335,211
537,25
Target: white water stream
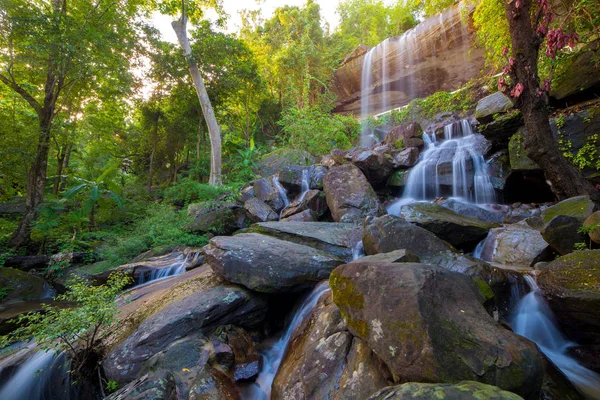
x,y
534,320
176,268
281,190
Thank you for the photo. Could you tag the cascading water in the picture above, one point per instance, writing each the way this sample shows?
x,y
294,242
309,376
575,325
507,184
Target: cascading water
x,y
366,80
42,376
534,320
304,186
358,250
281,190
450,167
176,268
273,355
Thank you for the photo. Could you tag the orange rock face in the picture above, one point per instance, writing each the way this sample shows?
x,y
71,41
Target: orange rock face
x,y
438,54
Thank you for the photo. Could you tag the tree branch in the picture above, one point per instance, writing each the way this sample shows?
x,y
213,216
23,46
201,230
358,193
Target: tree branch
x,y
23,93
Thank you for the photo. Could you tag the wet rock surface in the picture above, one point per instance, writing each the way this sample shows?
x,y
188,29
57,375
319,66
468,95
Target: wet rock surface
x,y
466,390
428,324
266,264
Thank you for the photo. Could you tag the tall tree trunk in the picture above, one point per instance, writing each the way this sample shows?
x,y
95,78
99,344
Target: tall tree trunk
x,y
60,159
65,169
152,155
36,182
540,145
179,27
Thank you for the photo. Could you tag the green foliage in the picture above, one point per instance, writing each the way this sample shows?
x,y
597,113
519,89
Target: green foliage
x,y
111,386
76,329
579,246
4,292
188,190
318,132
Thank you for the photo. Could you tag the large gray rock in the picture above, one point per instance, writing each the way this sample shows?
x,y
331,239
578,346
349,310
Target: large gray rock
x,y
291,177
572,285
200,312
325,361
222,218
21,286
495,103
459,230
396,256
275,161
266,264
349,195
473,210
334,238
579,207
265,190
406,158
466,390
517,154
303,216
313,200
259,211
428,325
562,233
515,244
376,166
502,128
389,233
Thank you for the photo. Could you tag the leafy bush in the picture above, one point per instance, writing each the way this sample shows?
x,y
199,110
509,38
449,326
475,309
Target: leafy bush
x,y
318,132
188,190
76,330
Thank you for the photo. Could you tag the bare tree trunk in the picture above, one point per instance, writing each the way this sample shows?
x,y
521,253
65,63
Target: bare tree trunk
x,y
540,145
179,27
65,168
60,159
152,155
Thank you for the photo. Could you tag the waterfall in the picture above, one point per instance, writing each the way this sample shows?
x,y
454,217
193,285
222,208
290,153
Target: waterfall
x,y
384,75
534,320
281,190
273,355
176,268
44,375
304,186
450,167
358,250
365,89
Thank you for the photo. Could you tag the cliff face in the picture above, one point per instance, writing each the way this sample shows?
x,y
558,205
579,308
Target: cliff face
x,y
438,54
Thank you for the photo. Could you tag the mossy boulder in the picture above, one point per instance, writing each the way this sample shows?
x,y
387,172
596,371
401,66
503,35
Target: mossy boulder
x,y
266,264
429,325
495,103
349,195
401,135
274,162
219,217
579,207
466,390
459,230
562,233
398,179
572,286
517,155
18,286
593,220
325,361
501,128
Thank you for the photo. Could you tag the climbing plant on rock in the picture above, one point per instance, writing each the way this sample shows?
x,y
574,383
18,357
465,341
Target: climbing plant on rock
x,y
530,27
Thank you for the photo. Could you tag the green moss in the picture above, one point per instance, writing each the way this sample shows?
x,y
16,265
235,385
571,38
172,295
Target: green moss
x,y
579,207
484,288
580,271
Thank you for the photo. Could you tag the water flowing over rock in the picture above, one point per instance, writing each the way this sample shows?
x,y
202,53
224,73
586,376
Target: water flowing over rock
x,y
428,324
266,264
349,195
438,54
515,244
200,312
466,390
325,361
451,167
458,230
334,238
389,233
572,286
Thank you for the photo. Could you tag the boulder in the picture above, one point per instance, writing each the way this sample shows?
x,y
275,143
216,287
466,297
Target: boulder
x,y
259,211
473,210
459,230
325,361
579,207
396,256
593,220
499,169
571,284
496,103
517,154
349,195
389,233
398,135
465,390
398,179
275,161
159,385
334,238
313,200
406,158
198,312
579,73
515,244
265,190
18,286
428,324
304,216
562,233
291,177
266,264
221,217
376,166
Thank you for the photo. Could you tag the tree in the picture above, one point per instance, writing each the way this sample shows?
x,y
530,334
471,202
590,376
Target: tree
x,y
180,28
52,50
528,27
